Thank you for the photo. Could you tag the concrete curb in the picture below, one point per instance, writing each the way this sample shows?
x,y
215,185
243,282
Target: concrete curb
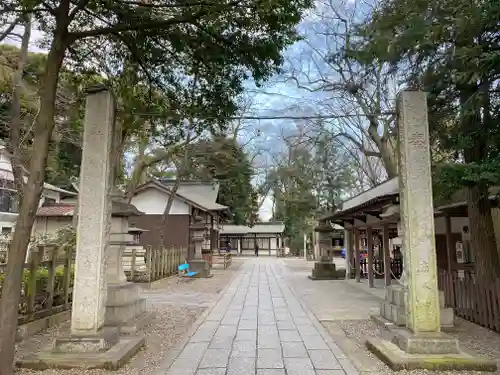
x,y
179,346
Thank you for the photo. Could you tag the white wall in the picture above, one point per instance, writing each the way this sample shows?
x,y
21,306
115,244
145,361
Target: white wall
x,y
153,202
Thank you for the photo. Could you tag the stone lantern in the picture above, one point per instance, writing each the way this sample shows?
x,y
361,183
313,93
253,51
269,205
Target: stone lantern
x,y
124,306
198,235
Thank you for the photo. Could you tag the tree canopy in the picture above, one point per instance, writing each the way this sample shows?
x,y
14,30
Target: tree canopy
x,y
450,50
222,159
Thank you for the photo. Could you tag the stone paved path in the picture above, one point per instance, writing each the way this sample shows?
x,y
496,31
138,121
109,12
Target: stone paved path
x,y
258,327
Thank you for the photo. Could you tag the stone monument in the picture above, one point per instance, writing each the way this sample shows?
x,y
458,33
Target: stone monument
x,y
421,344
198,264
91,343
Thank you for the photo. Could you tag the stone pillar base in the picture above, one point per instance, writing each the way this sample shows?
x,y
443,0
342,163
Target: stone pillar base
x,y
392,309
202,267
125,309
106,349
326,270
433,351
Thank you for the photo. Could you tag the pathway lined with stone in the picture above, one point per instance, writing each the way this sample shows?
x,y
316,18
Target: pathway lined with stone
x,y
259,327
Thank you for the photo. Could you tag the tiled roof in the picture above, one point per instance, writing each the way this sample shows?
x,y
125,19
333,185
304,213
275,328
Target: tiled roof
x,y
56,210
65,209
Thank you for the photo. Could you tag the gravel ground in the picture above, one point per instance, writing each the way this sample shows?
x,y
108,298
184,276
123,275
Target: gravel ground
x,y
172,321
473,337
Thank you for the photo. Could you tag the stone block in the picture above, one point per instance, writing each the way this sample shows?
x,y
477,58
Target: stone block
x,y
139,322
425,343
69,353
398,314
85,343
294,350
397,295
125,309
120,294
326,271
269,358
391,310
121,314
398,360
447,316
202,267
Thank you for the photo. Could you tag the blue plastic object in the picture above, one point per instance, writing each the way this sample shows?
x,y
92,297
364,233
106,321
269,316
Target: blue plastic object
x,y
189,274
183,267
342,253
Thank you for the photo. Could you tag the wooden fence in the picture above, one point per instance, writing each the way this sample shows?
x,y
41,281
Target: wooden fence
x,y
47,285
153,264
470,299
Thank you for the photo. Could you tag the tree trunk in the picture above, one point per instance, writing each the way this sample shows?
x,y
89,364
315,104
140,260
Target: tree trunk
x,y
14,144
11,290
389,158
483,241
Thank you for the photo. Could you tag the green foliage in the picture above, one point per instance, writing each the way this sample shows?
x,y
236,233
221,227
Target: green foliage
x,y
451,49
42,275
177,47
309,183
224,160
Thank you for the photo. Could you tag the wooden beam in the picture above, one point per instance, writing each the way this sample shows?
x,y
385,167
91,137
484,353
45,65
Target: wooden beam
x,y
369,242
361,218
387,255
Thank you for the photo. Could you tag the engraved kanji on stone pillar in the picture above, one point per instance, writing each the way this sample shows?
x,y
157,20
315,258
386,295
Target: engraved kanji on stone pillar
x,y
94,209
417,213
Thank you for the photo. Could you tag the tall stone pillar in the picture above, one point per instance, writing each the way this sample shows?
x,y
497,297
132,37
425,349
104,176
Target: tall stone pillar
x,y
94,215
417,214
421,344
91,343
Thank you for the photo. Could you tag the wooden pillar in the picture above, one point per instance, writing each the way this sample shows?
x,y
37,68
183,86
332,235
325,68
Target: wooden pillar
x,y
348,246
449,240
357,263
450,293
369,243
387,255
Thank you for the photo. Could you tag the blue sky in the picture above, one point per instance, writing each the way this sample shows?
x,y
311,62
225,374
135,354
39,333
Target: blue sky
x,y
277,97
